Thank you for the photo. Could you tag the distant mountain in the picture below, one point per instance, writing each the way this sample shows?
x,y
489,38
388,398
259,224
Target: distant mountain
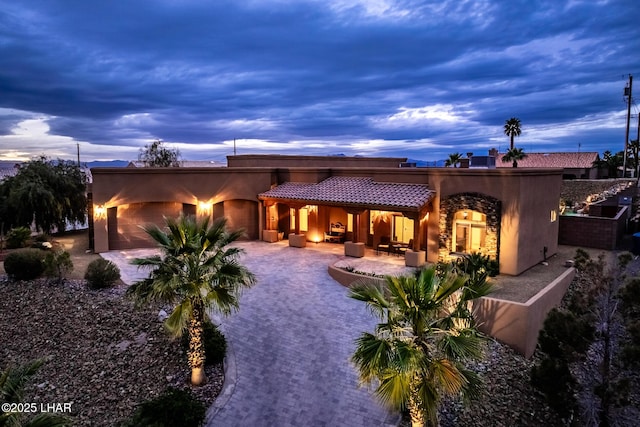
x,y
108,164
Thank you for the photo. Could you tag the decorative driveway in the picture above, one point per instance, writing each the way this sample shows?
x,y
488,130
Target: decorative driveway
x,y
292,340
290,345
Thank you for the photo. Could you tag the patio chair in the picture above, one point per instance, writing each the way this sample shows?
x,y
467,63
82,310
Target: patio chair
x,y
385,245
403,248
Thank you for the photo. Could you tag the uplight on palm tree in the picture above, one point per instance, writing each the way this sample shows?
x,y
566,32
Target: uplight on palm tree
x,y
196,271
417,352
512,129
514,155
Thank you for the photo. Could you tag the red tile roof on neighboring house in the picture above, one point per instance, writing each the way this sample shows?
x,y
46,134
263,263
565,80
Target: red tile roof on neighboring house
x,y
353,191
552,160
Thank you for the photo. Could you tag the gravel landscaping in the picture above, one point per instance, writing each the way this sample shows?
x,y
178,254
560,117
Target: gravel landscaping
x,y
101,353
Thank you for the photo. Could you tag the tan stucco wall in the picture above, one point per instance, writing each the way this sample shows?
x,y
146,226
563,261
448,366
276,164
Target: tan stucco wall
x,y
527,197
113,187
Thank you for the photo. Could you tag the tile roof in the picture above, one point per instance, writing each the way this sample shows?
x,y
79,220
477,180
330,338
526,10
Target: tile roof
x,y
354,191
552,160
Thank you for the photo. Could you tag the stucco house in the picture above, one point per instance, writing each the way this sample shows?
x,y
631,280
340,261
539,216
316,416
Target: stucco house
x,y
509,214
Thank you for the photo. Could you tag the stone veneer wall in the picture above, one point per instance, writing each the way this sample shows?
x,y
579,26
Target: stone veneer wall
x,y
490,206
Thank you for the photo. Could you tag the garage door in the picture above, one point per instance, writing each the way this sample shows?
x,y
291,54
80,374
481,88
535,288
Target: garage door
x,y
125,222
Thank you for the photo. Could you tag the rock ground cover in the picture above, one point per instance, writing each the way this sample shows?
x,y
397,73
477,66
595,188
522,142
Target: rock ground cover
x,y
101,353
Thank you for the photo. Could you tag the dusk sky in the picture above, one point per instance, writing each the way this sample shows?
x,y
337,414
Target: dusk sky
x,y
408,78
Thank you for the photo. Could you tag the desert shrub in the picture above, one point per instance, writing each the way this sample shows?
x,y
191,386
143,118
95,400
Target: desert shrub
x,y
173,408
101,273
564,334
24,264
553,378
57,264
215,344
42,237
18,237
477,263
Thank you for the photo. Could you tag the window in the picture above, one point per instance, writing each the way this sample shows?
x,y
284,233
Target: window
x,y
304,218
350,222
554,215
469,231
402,229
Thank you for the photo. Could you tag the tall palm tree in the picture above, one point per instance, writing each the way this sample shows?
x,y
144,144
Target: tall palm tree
x,y
12,383
512,129
453,160
416,354
514,155
196,272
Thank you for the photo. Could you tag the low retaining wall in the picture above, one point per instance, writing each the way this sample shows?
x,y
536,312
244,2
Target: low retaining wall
x,y
518,324
513,323
592,231
346,278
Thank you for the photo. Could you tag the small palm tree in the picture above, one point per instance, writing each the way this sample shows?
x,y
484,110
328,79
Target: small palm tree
x,y
12,382
512,129
197,272
427,331
514,155
453,160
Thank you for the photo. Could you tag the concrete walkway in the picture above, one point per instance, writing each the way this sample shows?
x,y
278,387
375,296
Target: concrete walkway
x,y
291,344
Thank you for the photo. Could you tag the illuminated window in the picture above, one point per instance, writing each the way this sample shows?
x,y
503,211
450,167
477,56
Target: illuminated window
x,y
402,229
304,218
349,222
469,231
554,215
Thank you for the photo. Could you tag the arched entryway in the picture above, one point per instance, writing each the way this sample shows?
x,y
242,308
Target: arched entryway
x,y
469,222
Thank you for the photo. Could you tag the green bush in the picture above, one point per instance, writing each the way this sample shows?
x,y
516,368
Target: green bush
x,y
101,273
24,264
18,237
173,408
215,344
553,378
57,264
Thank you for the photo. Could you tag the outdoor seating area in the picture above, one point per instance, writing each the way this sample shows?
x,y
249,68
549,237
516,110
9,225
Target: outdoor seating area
x,y
392,247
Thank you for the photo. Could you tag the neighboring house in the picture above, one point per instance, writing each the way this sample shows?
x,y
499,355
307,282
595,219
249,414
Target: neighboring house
x,y
510,214
574,165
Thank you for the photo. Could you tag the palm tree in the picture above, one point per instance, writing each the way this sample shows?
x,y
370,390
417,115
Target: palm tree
x,y
611,162
12,382
197,272
427,332
514,155
512,129
453,160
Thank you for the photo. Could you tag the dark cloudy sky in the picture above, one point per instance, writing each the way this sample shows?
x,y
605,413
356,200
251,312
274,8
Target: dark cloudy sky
x,y
412,78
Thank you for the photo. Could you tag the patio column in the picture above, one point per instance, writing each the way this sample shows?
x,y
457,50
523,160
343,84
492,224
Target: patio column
x,y
417,235
356,223
297,227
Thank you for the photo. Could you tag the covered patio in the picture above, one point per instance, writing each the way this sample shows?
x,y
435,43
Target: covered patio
x,y
352,213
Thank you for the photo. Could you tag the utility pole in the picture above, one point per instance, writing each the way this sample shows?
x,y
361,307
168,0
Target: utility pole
x,y
78,145
627,93
234,146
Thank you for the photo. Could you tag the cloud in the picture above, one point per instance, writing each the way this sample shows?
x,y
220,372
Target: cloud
x,y
400,77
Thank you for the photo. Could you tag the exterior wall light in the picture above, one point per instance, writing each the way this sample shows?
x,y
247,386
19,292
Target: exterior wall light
x,y
99,212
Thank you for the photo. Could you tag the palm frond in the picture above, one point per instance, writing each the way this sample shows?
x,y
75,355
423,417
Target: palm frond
x,y
178,320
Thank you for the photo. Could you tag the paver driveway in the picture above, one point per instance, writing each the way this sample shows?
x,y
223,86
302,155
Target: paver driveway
x,y
292,340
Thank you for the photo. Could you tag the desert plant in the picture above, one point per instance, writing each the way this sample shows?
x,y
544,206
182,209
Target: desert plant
x,y
24,264
18,237
197,272
101,273
57,264
417,353
173,408
215,344
12,383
